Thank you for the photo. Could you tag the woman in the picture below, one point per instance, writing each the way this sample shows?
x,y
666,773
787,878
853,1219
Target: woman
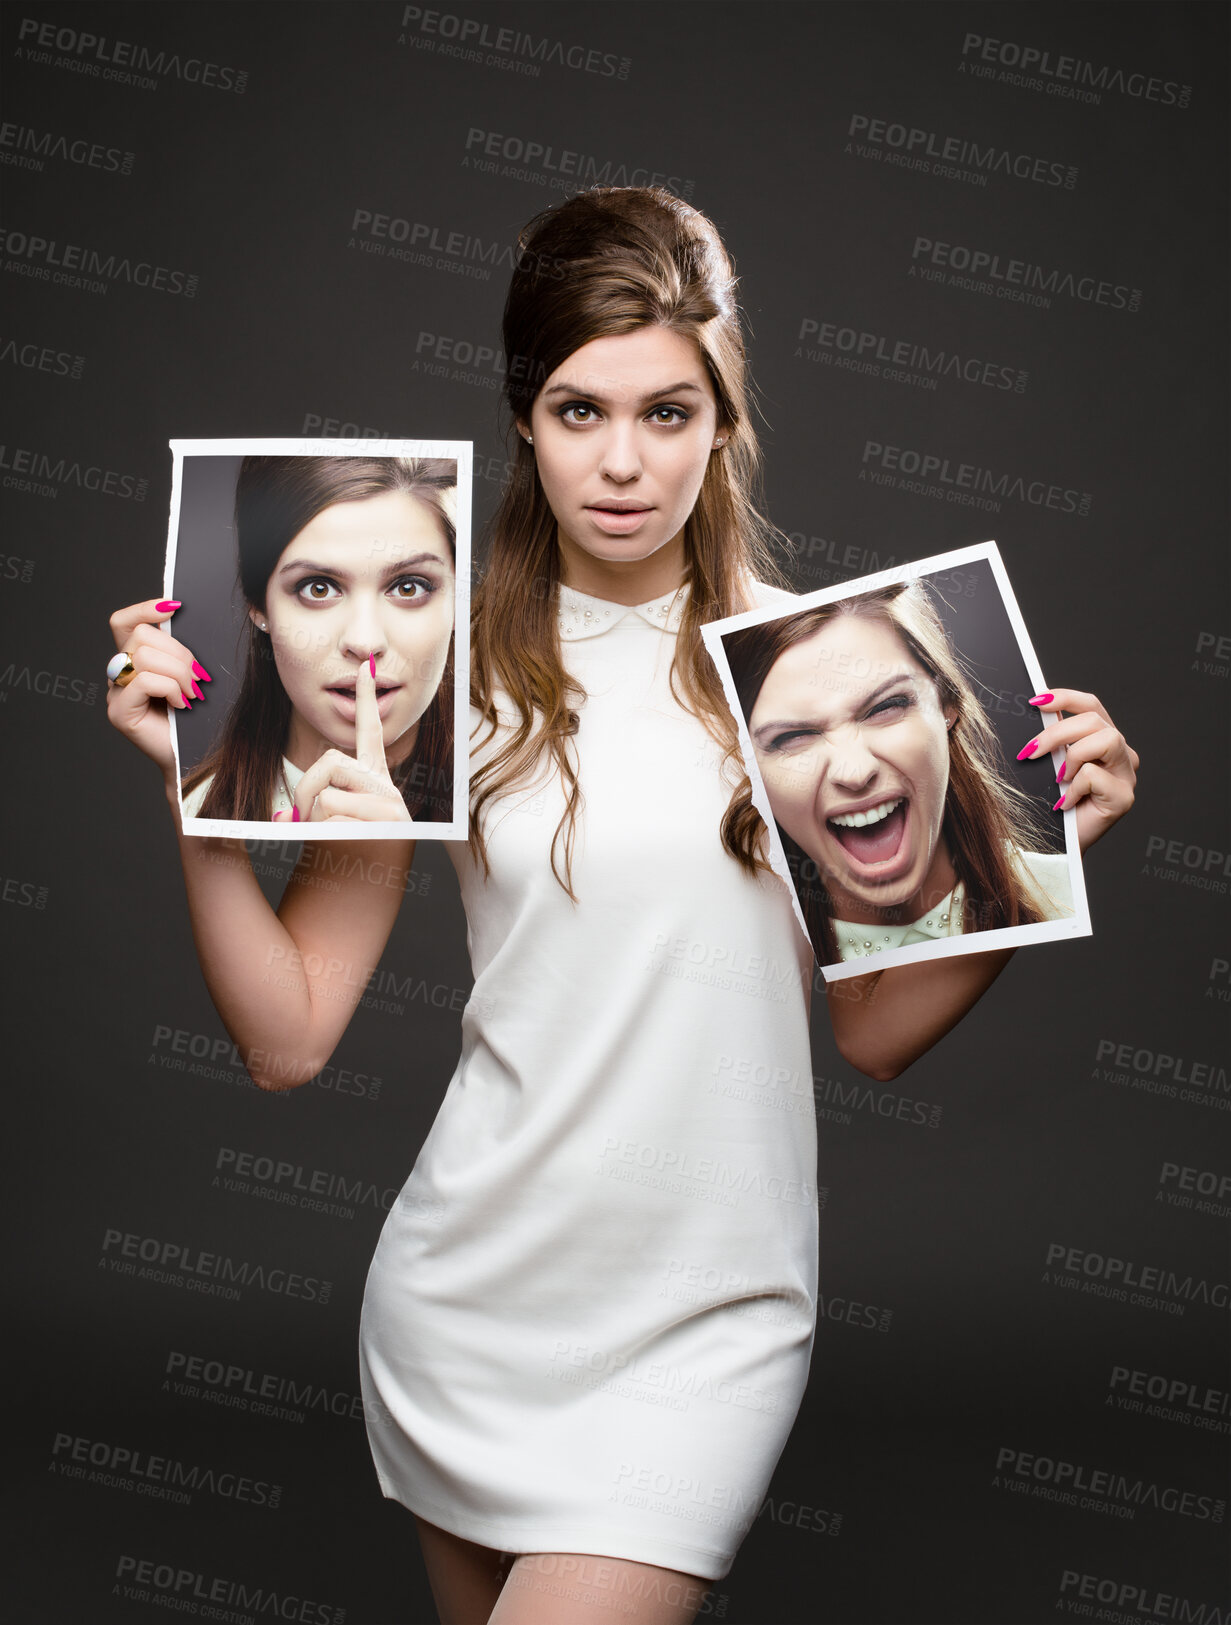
x,y
588,1321
884,776
342,561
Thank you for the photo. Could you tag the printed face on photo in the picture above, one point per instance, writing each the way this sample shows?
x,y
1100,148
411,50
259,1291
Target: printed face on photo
x,y
374,576
853,748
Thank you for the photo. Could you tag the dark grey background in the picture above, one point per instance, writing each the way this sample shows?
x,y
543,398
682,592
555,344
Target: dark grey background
x,y
1038,1142
212,613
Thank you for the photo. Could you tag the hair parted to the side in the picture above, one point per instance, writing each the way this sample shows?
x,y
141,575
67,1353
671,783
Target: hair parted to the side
x,y
275,497
986,815
606,262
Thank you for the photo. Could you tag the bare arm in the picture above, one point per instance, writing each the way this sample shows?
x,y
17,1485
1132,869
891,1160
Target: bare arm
x,y
285,984
885,1021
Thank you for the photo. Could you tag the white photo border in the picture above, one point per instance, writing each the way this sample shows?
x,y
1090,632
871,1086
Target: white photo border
x,y
462,453
1012,936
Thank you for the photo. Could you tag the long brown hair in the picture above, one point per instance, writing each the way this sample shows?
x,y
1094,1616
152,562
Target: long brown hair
x,y
275,497
606,262
985,816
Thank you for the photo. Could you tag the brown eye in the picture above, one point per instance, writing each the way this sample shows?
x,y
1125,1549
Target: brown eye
x,y
311,595
422,589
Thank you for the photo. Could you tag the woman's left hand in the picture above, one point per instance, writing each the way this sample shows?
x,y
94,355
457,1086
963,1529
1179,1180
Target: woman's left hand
x,y
1099,771
358,789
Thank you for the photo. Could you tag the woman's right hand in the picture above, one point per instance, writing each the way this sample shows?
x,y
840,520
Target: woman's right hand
x,y
166,675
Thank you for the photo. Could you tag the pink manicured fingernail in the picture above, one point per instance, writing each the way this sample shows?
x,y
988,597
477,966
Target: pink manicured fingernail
x,y
278,815
1059,803
168,603
198,670
187,701
1041,699
196,689
1063,769
372,664
295,813
1029,750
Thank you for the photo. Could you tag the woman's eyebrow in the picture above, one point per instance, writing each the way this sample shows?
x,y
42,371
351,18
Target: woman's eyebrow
x,y
594,395
332,569
813,722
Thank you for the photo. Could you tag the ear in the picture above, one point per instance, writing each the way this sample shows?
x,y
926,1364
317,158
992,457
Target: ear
x,y
523,428
951,715
257,618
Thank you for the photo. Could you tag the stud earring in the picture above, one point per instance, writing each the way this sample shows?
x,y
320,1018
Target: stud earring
x,y
718,443
529,439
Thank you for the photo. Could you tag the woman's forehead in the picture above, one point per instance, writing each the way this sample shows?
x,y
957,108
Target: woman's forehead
x,y
373,529
862,647
626,367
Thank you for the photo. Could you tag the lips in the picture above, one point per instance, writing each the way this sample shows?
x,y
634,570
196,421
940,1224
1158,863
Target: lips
x,y
346,705
347,686
620,505
871,835
618,521
343,693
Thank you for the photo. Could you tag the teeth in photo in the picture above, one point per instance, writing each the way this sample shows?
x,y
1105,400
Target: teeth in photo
x,y
871,815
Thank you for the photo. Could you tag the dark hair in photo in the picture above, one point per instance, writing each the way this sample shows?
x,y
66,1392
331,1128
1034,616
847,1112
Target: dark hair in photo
x,y
275,497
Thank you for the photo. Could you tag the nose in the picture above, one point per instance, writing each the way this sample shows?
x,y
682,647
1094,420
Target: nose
x,y
852,765
620,456
363,631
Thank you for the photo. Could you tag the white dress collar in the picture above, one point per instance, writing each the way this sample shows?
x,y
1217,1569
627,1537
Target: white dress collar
x,y
581,615
864,941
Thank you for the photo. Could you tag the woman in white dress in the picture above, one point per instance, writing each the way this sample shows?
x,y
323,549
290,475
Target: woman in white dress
x,y
588,1320
898,818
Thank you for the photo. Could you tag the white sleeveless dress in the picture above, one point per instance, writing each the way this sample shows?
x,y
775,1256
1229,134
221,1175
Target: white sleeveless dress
x,y
588,1322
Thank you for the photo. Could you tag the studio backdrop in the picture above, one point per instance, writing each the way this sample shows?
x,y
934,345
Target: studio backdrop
x,y
982,253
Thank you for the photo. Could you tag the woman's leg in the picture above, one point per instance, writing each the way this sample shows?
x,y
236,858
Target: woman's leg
x,y
465,1577
574,1588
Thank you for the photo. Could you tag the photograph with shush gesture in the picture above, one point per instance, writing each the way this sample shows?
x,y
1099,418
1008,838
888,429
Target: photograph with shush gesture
x,y
329,622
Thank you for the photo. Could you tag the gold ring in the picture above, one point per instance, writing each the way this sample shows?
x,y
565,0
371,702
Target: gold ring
x,y
120,669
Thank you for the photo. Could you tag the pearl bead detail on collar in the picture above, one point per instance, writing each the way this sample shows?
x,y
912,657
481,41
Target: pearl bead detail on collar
x,y
581,615
935,924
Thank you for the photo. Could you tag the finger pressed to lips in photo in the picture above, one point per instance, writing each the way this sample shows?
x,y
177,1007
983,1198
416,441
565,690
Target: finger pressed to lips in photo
x,y
344,698
853,747
365,581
